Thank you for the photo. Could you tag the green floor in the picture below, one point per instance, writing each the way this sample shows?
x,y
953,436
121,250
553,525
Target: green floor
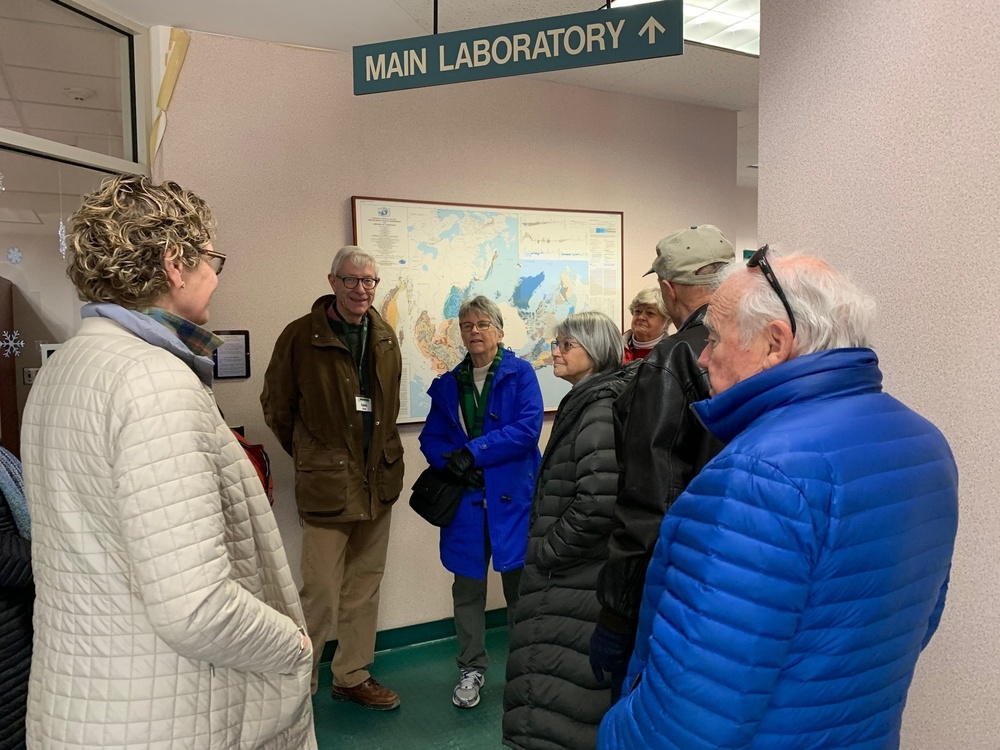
x,y
424,676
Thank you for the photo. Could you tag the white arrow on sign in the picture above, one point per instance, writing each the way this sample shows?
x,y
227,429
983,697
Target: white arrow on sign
x,y
651,26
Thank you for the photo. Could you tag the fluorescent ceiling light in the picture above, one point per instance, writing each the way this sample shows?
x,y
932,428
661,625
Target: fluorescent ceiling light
x,y
730,24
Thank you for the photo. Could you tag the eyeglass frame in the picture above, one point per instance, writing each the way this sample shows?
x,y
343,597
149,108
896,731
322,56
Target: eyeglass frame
x,y
479,325
221,257
363,280
563,346
759,260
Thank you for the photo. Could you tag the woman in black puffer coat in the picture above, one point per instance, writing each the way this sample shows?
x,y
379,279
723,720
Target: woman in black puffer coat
x,y
552,699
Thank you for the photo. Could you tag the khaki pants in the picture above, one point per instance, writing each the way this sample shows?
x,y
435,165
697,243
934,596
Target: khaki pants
x,y
342,567
469,598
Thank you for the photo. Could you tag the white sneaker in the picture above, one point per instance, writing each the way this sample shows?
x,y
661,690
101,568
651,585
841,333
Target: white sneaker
x,y
466,693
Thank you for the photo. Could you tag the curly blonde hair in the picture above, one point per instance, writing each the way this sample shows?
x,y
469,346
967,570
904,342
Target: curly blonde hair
x,y
122,234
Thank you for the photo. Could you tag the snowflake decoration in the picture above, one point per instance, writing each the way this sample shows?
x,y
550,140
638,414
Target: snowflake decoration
x,y
62,238
11,344
14,255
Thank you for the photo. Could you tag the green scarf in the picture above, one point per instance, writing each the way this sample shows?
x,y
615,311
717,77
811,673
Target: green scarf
x,y
473,402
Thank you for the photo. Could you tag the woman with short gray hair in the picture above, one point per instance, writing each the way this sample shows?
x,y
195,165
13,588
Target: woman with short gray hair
x,y
649,324
552,698
483,430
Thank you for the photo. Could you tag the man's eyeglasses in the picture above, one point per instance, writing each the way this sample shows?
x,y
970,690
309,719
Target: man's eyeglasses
x,y
351,282
479,325
759,260
563,346
216,260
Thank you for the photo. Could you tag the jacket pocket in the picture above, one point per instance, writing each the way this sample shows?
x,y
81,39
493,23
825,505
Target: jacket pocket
x,y
391,470
321,477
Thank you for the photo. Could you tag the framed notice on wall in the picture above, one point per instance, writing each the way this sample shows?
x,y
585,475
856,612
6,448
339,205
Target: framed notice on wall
x,y
537,264
232,359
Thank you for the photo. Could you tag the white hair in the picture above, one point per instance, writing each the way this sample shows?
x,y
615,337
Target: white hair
x,y
484,306
352,254
831,312
598,335
649,296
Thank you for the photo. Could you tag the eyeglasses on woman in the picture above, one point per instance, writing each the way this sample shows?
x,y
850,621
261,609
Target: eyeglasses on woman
x,y
563,346
216,260
479,325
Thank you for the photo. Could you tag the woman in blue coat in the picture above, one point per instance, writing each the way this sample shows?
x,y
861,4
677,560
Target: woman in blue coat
x,y
483,428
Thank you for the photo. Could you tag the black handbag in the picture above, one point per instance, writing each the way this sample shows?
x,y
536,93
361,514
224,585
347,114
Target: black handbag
x,y
436,496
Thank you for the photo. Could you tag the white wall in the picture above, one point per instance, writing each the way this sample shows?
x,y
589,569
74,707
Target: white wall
x,y
273,138
880,150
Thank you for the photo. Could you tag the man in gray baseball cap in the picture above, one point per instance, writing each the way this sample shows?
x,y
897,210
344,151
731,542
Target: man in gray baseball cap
x,y
686,257
660,443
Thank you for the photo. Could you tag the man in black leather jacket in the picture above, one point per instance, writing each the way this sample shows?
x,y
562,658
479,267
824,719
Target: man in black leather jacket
x,y
660,443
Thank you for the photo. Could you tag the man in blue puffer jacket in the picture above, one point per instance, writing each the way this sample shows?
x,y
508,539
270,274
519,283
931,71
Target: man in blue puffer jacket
x,y
797,579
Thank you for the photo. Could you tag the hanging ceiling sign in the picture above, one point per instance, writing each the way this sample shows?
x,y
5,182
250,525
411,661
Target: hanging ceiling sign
x,y
579,40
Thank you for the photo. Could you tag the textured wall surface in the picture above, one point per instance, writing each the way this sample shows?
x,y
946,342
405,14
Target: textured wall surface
x,y
273,138
880,150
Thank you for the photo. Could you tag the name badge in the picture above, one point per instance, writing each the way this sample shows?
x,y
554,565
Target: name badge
x,y
363,402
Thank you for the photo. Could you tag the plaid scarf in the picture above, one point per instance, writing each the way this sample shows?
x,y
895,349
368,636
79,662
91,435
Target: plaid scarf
x,y
472,401
201,342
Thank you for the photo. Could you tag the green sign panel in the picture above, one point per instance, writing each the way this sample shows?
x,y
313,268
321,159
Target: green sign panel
x,y
578,40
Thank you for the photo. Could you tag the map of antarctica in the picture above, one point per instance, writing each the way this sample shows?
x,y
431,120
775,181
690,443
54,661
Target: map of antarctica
x,y
537,265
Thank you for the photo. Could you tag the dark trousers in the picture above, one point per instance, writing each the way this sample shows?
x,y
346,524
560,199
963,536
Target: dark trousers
x,y
469,597
618,676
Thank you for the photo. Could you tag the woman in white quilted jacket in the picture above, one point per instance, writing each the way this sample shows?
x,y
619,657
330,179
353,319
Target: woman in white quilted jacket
x,y
166,614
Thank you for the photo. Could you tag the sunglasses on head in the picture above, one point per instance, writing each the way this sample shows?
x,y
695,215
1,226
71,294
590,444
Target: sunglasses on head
x,y
759,260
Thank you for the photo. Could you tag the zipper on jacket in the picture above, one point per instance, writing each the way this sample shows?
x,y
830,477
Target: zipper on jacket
x,y
211,689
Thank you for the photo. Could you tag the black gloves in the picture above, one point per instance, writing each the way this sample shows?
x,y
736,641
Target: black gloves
x,y
461,466
610,652
474,478
459,462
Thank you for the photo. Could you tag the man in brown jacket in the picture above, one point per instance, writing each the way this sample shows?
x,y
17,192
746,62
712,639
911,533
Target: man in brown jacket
x,y
331,396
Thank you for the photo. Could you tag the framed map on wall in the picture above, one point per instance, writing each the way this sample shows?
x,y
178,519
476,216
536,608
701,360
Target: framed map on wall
x,y
537,264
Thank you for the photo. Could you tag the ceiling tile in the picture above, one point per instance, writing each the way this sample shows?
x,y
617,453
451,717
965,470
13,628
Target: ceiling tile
x,y
44,11
18,216
46,87
25,176
8,115
705,76
708,25
59,136
50,47
101,144
706,4
738,35
73,119
455,16
742,8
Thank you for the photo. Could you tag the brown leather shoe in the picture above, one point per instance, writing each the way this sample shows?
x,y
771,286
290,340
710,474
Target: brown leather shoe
x,y
369,694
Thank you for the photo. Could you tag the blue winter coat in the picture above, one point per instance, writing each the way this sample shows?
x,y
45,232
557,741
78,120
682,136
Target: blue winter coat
x,y
507,452
797,579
